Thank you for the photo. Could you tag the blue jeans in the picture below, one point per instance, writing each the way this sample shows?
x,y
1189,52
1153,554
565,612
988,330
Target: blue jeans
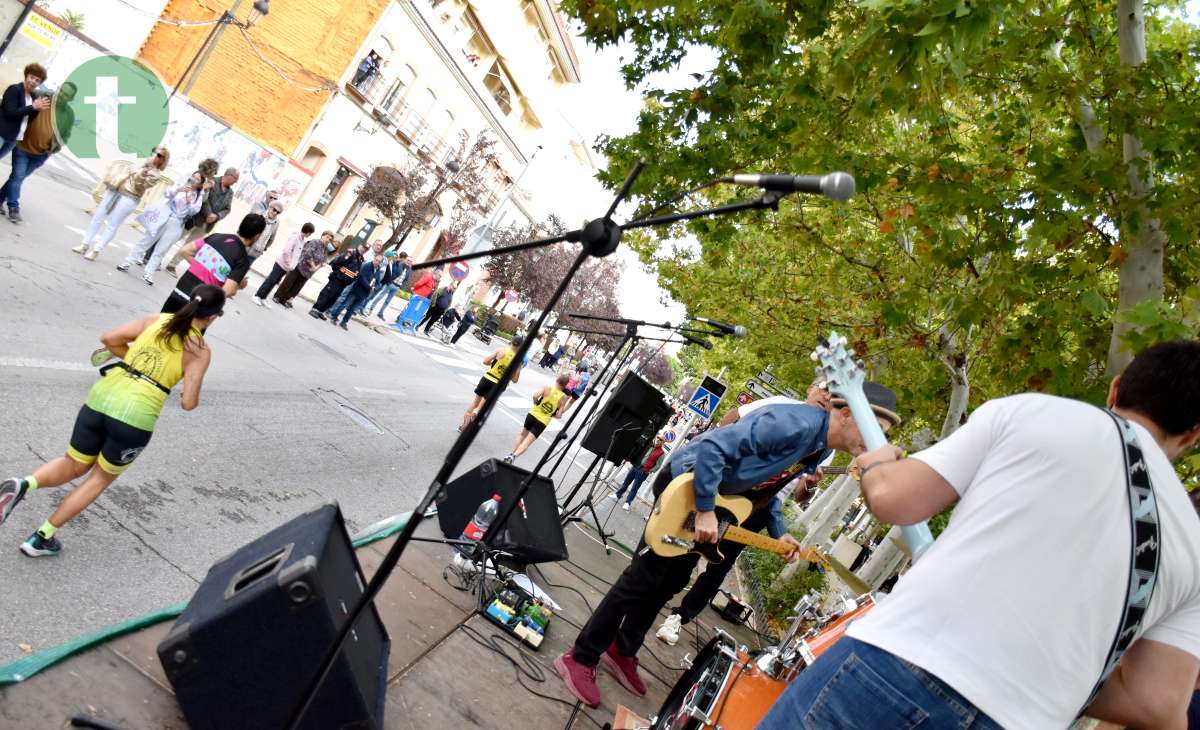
x,y
413,313
23,165
856,686
633,479
6,146
353,304
348,301
389,290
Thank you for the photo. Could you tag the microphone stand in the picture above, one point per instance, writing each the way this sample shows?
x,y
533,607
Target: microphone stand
x,y
599,237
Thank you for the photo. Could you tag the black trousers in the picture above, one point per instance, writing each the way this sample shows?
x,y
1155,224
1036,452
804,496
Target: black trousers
x,y
713,577
462,330
329,295
431,317
269,283
630,607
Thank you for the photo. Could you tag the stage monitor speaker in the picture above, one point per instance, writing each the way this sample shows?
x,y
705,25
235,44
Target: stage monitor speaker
x,y
626,425
533,533
254,633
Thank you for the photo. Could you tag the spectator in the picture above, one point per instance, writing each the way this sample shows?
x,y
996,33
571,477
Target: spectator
x,y
38,141
313,256
162,222
441,302
261,206
376,250
368,68
287,260
468,319
638,473
345,270
268,235
395,276
18,108
418,303
120,200
215,206
359,289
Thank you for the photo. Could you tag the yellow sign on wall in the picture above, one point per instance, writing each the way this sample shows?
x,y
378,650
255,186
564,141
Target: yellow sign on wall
x,y
41,31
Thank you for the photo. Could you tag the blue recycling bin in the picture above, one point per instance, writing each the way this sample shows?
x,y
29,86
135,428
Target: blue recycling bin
x,y
412,314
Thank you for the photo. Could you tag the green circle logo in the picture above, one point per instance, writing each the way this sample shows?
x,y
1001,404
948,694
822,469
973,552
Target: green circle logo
x,y
115,99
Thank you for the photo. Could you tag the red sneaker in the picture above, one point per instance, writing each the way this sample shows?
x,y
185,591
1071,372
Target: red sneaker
x,y
581,680
625,669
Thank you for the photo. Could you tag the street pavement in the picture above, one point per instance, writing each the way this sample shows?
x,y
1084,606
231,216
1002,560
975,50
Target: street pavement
x,y
294,412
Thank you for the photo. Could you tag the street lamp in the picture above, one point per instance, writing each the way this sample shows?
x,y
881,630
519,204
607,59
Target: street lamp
x,y
257,12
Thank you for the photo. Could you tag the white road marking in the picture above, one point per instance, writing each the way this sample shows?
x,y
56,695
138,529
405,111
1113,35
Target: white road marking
x,y
453,362
381,391
40,364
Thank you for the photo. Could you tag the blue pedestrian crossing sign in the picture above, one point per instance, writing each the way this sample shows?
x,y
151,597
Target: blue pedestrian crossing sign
x,y
707,397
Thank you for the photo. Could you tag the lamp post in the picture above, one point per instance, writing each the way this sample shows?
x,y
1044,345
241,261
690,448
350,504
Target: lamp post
x,y
257,12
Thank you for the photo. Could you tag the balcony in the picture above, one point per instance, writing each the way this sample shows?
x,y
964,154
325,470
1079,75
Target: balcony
x,y
385,100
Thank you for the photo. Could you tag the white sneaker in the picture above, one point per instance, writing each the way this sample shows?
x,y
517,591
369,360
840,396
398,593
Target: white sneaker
x,y
81,248
612,495
259,302
625,506
267,304
148,279
669,631
91,254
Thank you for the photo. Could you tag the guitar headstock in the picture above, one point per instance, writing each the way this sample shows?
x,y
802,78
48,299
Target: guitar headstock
x,y
841,371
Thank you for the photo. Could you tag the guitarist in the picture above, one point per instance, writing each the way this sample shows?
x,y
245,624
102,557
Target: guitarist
x,y
733,460
1010,618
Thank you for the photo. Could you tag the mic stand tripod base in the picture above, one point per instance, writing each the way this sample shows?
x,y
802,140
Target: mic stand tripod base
x,y
573,516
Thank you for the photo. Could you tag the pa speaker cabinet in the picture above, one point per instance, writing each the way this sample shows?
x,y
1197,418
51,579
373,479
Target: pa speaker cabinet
x,y
533,533
626,425
253,635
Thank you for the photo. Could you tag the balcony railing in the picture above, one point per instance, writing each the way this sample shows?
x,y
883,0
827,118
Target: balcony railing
x,y
386,100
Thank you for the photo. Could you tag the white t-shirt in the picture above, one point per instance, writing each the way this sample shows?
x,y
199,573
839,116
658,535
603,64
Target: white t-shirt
x,y
24,119
754,405
1016,604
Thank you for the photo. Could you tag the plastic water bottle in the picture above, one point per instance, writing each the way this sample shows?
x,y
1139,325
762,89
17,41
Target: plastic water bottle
x,y
479,524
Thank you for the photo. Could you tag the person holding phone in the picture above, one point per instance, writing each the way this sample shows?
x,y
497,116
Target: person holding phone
x,y
164,222
119,201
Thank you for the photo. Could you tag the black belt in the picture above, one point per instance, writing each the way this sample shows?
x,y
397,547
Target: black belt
x,y
135,373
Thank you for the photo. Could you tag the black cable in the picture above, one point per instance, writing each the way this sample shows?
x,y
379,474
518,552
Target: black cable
x,y
526,666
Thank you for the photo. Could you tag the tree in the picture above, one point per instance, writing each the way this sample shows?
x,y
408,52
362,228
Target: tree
x,y
513,270
655,366
985,248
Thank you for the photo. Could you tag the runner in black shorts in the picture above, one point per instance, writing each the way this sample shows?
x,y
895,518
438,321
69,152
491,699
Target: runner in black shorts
x,y
117,419
498,360
549,402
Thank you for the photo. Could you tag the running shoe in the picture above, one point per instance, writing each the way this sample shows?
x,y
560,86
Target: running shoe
x,y
100,356
37,546
122,266
259,301
12,491
268,304
625,506
148,279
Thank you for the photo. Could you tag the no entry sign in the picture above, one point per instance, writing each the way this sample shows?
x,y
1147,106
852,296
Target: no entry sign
x,y
459,270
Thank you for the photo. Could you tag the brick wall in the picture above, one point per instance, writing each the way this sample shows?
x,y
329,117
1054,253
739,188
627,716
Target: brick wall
x,y
312,41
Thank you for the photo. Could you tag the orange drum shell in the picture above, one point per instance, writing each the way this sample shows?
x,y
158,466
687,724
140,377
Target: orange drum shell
x,y
744,702
822,642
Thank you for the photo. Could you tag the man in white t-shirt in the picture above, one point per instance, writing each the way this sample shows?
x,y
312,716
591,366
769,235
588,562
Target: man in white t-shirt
x,y
1008,618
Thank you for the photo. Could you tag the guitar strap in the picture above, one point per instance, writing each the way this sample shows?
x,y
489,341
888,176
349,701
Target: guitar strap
x,y
1143,561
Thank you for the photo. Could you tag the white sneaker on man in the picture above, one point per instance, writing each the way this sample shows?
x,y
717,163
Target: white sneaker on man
x,y
259,302
625,506
669,631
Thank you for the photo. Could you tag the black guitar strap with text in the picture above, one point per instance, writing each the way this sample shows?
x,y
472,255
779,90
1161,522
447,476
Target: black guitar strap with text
x,y
1143,561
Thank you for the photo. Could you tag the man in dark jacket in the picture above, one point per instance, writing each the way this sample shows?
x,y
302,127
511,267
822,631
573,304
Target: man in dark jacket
x,y
395,276
441,302
345,268
359,289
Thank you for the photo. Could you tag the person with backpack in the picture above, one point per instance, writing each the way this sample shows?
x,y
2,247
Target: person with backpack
x,y
120,199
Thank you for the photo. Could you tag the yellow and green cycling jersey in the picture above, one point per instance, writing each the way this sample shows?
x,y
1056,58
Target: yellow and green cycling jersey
x,y
131,399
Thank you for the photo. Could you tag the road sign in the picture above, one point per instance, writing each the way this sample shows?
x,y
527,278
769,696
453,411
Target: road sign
x,y
766,377
669,436
459,270
512,295
707,397
790,393
743,398
758,389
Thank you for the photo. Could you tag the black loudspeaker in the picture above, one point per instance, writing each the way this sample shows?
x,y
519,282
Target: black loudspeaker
x,y
627,423
253,635
533,533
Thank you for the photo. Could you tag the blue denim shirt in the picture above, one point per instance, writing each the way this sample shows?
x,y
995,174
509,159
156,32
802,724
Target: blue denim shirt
x,y
741,456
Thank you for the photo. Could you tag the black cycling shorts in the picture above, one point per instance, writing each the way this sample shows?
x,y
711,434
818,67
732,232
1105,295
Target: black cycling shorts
x,y
99,437
533,425
485,387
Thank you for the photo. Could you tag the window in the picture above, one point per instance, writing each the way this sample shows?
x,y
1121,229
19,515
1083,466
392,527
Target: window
x,y
332,189
447,123
405,76
312,159
496,82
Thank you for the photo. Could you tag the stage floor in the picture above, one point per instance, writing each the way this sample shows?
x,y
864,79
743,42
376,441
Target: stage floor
x,y
438,676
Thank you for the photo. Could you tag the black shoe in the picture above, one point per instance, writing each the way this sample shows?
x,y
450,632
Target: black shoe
x,y
14,215
343,326
315,314
287,304
37,546
12,491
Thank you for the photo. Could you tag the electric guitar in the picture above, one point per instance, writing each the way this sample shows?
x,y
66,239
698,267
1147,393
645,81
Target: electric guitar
x,y
845,377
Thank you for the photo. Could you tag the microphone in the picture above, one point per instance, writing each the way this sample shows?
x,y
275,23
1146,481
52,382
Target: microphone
x,y
729,329
835,186
697,341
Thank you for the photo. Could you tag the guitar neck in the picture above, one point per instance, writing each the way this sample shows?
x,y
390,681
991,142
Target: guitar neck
x,y
733,533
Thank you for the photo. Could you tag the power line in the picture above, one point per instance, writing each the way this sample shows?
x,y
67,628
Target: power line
x,y
250,41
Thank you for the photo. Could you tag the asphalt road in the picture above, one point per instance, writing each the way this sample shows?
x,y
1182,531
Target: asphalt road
x,y
294,412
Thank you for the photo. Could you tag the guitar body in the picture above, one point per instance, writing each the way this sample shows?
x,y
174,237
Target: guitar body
x,y
673,519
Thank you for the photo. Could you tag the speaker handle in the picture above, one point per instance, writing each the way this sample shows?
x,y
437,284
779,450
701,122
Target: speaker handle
x,y
257,571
